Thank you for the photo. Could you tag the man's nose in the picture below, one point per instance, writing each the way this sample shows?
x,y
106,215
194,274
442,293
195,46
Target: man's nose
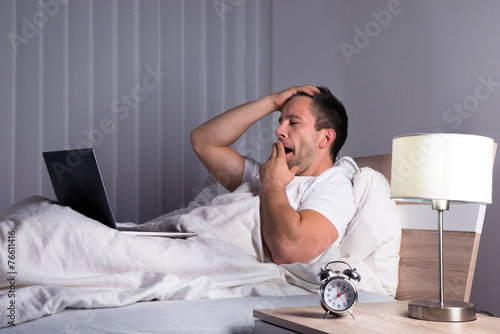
x,y
280,132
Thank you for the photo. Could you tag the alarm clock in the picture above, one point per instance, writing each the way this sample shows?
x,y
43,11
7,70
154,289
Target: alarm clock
x,y
337,294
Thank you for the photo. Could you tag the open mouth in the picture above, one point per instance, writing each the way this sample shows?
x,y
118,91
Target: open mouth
x,y
288,150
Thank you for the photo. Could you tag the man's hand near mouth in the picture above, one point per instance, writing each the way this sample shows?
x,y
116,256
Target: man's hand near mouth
x,y
275,171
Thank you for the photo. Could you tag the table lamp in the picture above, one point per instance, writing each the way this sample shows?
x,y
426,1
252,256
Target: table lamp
x,y
440,168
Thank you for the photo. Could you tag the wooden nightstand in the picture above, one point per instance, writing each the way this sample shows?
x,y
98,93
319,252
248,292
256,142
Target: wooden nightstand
x,y
386,317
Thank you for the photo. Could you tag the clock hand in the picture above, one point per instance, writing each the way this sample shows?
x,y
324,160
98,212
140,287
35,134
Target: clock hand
x,y
339,294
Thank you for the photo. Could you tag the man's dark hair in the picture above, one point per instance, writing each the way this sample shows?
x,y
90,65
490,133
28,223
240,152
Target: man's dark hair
x,y
330,113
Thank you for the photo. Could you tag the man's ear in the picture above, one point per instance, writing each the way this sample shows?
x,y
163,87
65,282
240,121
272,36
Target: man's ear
x,y
328,137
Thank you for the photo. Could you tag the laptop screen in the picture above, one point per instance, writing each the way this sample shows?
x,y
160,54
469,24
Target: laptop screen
x,y
78,184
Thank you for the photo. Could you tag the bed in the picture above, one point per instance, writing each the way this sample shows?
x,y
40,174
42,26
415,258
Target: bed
x,y
152,301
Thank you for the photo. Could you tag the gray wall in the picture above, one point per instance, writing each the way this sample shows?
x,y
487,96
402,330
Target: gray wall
x,y
132,79
429,66
399,67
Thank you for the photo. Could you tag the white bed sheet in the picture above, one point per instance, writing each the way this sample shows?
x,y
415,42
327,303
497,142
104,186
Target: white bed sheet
x,y
74,262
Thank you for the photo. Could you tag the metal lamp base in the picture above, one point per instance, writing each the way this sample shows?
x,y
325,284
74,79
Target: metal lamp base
x,y
433,311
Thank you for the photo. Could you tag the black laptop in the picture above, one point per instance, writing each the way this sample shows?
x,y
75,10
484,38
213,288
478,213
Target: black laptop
x,y
77,183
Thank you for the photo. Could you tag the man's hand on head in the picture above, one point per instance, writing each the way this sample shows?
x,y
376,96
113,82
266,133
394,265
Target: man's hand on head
x,y
275,170
279,99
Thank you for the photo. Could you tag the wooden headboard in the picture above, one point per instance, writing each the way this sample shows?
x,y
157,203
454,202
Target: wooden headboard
x,y
418,266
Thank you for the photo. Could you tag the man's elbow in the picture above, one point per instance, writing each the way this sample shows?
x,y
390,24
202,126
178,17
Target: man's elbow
x,y
196,140
279,259
288,254
297,252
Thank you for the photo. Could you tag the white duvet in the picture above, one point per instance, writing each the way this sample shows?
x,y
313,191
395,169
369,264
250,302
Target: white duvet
x,y
54,258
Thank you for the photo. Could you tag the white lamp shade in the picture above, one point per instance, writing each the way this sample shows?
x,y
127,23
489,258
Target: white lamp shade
x,y
442,166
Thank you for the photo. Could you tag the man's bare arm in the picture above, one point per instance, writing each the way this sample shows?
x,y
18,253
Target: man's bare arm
x,y
290,236
211,141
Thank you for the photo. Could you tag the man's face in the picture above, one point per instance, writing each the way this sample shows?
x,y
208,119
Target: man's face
x,y
296,132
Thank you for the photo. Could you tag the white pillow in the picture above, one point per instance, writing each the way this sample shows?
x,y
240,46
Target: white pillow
x,y
374,234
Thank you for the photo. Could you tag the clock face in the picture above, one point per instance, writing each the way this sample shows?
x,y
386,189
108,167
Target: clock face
x,y
339,295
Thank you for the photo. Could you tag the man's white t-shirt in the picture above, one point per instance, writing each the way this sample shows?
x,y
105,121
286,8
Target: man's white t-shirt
x,y
330,193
